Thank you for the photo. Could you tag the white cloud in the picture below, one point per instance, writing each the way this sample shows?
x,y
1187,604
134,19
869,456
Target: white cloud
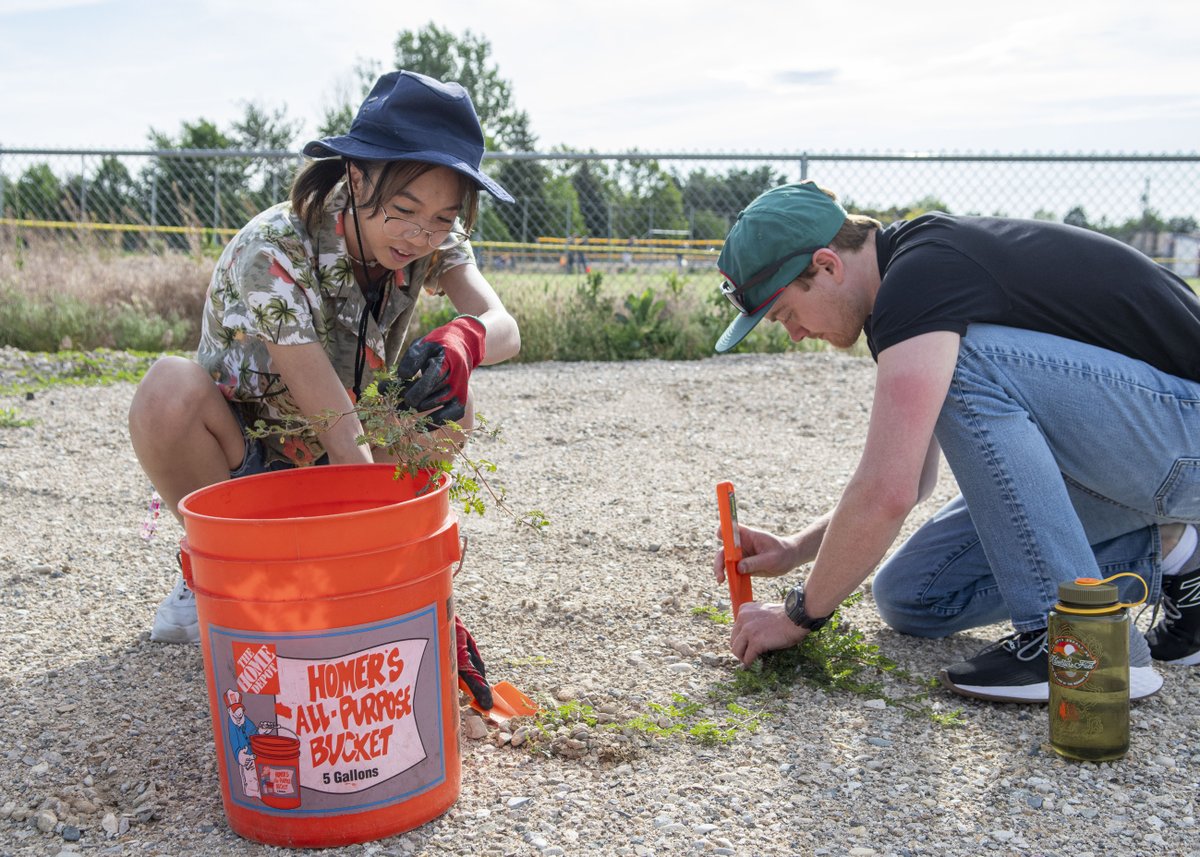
x,y
689,75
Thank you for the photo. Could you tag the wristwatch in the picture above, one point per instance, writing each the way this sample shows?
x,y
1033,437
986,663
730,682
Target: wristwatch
x,y
793,605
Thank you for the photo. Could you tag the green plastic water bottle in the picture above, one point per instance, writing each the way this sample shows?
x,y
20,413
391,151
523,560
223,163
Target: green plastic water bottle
x,y
1088,641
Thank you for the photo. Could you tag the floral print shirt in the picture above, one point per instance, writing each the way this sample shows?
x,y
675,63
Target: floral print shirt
x,y
275,282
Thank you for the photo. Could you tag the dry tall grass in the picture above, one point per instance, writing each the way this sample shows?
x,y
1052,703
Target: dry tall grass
x,y
48,274
171,283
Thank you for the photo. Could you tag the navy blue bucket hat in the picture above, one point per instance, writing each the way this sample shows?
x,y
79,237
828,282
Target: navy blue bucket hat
x,y
412,117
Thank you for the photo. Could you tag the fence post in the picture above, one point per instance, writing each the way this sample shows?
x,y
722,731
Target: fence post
x,y
804,166
82,189
216,221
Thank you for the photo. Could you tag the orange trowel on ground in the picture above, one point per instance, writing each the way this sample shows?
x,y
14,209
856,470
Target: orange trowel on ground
x,y
507,702
740,587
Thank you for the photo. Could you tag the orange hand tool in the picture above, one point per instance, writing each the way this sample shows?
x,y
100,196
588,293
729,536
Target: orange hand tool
x,y
507,702
740,588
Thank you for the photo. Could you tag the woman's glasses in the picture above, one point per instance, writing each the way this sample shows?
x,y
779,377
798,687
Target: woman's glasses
x,y
439,239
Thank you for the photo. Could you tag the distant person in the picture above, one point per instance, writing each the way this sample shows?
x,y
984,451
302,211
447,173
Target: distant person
x,y
575,255
627,256
1058,371
316,290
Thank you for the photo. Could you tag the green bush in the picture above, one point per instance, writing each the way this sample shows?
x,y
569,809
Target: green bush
x,y
69,322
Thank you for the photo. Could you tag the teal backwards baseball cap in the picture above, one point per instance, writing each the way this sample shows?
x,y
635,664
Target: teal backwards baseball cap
x,y
771,243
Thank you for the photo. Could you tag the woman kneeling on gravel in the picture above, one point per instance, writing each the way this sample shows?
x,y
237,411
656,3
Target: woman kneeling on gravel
x,y
314,290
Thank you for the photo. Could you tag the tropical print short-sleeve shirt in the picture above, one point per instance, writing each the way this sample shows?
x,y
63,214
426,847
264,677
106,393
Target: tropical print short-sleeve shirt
x,y
277,283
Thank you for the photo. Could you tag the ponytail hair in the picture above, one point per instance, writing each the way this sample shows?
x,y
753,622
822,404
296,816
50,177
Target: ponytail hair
x,y
312,187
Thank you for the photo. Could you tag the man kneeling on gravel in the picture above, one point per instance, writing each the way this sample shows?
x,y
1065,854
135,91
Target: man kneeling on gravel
x,y
1057,369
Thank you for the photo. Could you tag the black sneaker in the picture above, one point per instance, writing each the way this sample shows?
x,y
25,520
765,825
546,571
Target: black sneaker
x,y
1176,639
1017,668
1014,669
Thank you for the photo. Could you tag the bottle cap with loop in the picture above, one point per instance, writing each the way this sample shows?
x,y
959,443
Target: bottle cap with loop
x,y
1088,596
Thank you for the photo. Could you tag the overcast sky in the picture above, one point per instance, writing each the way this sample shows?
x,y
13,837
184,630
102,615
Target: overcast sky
x,y
614,75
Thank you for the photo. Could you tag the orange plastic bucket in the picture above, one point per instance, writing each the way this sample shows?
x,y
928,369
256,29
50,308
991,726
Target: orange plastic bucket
x,y
326,623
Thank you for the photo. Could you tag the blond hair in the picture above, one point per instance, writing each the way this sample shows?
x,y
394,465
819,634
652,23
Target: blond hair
x,y
851,237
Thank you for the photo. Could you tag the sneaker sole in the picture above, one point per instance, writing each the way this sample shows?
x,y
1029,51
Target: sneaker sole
x,y
1186,661
1143,682
176,634
1029,693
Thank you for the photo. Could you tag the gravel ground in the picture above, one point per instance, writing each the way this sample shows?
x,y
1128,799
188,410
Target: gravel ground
x,y
107,740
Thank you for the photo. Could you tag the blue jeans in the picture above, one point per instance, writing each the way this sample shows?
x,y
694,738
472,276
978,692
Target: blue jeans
x,y
1068,457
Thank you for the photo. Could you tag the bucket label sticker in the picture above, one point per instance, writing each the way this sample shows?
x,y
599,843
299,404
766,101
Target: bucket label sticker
x,y
324,722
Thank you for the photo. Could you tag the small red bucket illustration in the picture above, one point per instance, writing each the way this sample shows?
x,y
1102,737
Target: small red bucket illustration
x,y
277,763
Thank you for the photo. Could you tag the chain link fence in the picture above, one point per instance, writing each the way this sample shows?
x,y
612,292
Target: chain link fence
x,y
640,214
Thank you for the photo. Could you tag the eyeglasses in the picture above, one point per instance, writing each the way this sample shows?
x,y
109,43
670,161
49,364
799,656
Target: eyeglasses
x,y
439,239
737,294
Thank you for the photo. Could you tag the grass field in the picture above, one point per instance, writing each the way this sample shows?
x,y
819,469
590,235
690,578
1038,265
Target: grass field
x,y
55,296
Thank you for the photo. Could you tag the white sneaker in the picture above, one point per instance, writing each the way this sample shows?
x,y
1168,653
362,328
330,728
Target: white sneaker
x,y
175,620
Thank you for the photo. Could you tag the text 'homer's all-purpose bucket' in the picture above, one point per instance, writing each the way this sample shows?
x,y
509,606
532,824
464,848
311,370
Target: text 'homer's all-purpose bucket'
x,y
326,621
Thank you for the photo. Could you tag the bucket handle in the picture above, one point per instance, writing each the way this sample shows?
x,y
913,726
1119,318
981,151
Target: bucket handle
x,y
185,562
462,556
269,726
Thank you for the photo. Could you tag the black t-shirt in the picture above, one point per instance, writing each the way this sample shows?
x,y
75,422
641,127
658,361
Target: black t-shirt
x,y
943,272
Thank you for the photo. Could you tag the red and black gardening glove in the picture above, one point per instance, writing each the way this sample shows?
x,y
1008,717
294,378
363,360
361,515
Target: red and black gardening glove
x,y
470,665
444,359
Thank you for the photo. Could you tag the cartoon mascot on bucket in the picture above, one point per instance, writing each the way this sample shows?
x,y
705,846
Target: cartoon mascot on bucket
x,y
237,732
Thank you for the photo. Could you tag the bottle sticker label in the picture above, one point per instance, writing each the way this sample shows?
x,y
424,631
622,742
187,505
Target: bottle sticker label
x,y
1071,661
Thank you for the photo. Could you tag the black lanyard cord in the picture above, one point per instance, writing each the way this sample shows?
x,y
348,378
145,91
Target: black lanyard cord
x,y
374,296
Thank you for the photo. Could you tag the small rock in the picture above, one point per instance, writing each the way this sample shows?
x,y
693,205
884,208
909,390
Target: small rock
x,y
474,727
109,823
517,802
45,821
682,648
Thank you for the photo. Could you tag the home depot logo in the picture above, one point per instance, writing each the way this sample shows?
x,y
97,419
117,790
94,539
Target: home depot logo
x,y
1071,662
257,667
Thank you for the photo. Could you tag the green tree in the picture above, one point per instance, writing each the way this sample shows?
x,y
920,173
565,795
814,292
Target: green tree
x,y
38,195
467,60
262,130
651,199
109,196
195,190
592,194
1076,216
338,116
533,214
728,194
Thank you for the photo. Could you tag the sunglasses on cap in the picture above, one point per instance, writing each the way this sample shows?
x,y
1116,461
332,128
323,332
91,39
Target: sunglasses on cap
x,y
737,294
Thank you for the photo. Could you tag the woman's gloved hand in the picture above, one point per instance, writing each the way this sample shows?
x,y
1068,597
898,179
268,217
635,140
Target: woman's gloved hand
x,y
470,665
443,359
